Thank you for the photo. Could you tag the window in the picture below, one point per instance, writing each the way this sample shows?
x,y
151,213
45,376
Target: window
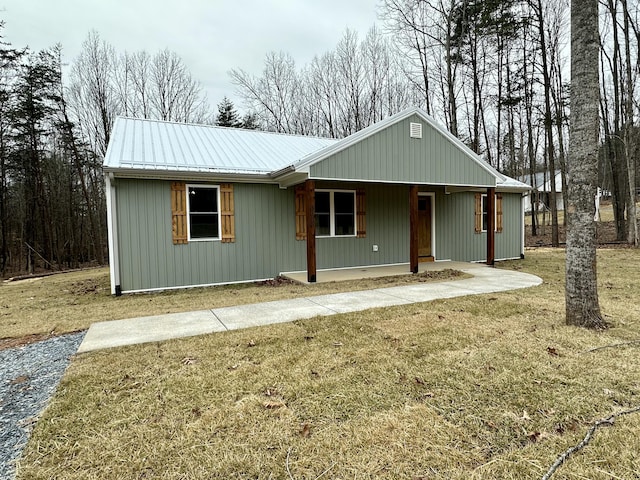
x,y
335,213
203,212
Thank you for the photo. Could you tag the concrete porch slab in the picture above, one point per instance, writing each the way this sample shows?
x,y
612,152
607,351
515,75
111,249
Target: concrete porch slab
x,y
375,271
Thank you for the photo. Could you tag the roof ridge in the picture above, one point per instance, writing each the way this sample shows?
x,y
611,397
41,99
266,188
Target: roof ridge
x,y
220,127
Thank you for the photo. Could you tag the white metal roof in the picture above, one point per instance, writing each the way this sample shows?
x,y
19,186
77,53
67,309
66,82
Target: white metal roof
x,y
153,145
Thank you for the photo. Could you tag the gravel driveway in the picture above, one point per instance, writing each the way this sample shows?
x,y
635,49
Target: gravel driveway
x,y
29,376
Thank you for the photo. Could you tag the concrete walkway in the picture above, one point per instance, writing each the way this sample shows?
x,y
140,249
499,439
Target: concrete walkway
x,y
175,325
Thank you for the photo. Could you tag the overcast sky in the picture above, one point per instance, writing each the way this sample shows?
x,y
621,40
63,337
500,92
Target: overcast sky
x,y
211,36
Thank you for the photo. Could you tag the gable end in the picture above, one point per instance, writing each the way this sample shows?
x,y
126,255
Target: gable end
x,y
394,154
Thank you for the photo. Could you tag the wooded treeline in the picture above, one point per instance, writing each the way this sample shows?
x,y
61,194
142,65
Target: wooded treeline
x,y
51,193
54,133
494,72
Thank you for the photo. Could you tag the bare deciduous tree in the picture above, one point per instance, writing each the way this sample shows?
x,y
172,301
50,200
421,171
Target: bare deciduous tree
x,y
92,92
339,93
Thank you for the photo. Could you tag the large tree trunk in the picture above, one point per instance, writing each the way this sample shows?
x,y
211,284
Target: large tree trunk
x,y
581,294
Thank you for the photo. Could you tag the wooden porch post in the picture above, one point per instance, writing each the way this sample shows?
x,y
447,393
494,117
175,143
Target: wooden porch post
x,y
413,228
310,213
491,226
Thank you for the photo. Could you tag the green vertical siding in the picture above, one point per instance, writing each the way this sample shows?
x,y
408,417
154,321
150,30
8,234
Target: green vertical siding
x,y
509,242
455,235
265,239
265,234
392,156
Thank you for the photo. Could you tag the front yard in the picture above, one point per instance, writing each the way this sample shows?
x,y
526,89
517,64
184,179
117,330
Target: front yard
x,y
492,386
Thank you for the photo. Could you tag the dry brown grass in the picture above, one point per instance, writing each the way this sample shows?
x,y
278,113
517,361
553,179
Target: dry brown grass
x,y
606,215
72,301
544,218
490,386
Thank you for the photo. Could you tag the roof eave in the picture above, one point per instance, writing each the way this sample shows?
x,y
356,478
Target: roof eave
x,y
282,171
512,189
148,174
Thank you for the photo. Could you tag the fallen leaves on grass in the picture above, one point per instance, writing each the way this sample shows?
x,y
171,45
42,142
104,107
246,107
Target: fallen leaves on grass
x,y
274,404
305,430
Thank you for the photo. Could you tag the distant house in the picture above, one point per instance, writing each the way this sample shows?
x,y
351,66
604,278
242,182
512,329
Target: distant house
x,y
541,191
195,205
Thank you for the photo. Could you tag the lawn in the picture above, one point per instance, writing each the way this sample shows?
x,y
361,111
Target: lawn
x,y
491,386
73,301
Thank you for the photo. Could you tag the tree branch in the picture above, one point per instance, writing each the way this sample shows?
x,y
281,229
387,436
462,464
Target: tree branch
x,y
585,441
613,345
286,464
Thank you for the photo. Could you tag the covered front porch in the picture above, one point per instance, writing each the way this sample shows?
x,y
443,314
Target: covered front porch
x,y
376,271
414,204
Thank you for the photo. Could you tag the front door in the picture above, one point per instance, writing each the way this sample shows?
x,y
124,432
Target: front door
x,y
424,229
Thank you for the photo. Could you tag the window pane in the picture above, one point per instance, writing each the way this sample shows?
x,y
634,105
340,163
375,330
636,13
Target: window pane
x,y
203,199
322,202
204,226
485,211
344,202
345,224
322,224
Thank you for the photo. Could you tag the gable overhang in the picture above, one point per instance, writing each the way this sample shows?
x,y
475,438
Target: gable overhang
x,y
303,170
288,177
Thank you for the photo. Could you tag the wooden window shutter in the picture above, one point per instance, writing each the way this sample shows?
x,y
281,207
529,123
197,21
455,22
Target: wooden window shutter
x,y
179,212
227,210
499,212
478,213
301,216
361,220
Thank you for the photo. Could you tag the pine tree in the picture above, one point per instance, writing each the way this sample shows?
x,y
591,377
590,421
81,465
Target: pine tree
x,y
249,121
36,88
227,114
8,60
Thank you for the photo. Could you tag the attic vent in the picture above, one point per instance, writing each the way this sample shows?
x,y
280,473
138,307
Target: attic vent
x,y
415,130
